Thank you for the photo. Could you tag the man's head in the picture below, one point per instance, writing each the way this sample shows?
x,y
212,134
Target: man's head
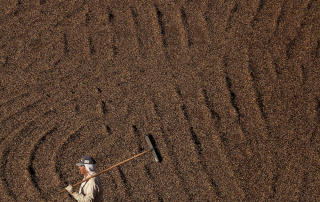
x,y
86,164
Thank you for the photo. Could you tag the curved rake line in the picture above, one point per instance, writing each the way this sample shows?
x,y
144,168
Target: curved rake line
x,y
31,159
152,178
14,13
318,110
137,135
169,145
289,53
75,74
23,109
258,94
137,27
253,72
312,138
44,101
114,187
32,105
223,140
309,5
197,145
289,47
59,21
19,93
232,96
202,22
91,46
28,8
161,25
6,151
305,186
260,6
47,117
40,140
16,114
12,99
28,47
186,26
280,15
67,16
17,111
127,186
214,115
244,131
231,15
278,20
22,128
176,166
63,144
42,2
24,124
113,38
3,176
224,145
254,85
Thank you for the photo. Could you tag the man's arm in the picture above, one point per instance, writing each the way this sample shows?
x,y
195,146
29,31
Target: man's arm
x,y
92,190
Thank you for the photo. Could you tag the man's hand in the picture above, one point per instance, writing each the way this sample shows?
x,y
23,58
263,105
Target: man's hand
x,y
69,189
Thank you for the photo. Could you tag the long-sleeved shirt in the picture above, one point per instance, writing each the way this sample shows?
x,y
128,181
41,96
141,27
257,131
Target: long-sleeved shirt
x,y
90,191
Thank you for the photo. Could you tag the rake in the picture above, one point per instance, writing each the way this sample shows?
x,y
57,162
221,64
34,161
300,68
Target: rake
x,y
155,153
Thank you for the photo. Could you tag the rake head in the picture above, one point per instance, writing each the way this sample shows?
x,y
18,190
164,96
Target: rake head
x,y
153,149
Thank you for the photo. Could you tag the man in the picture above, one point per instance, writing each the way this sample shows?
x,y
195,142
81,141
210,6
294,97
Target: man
x,y
90,190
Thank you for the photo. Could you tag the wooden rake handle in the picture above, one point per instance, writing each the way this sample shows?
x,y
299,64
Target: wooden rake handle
x,y
109,168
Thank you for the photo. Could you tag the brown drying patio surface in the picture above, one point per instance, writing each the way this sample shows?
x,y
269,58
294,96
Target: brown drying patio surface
x,y
229,89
